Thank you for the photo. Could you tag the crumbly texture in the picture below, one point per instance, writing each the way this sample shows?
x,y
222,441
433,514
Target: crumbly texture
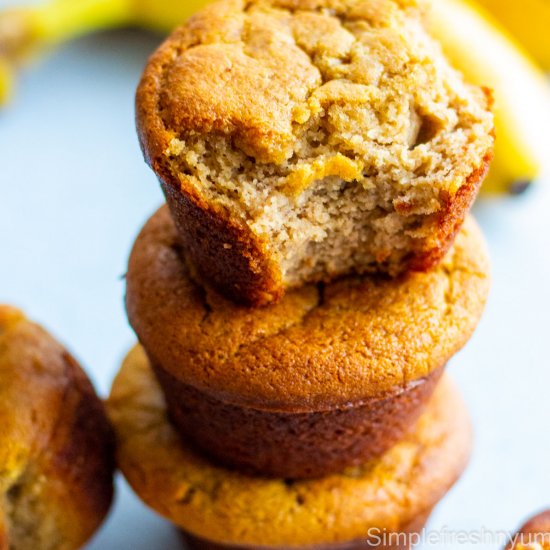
x,y
321,347
225,506
56,445
327,136
293,445
534,534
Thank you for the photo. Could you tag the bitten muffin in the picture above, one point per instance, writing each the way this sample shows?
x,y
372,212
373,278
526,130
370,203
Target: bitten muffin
x,y
330,375
533,535
56,445
300,140
393,493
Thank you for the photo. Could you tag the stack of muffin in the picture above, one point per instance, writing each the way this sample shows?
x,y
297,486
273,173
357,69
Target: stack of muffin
x,y
313,272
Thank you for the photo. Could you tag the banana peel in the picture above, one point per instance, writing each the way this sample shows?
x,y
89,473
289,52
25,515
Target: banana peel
x,y
6,81
163,15
486,56
528,21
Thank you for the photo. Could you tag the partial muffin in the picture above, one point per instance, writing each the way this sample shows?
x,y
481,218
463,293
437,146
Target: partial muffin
x,y
300,140
330,375
56,445
533,535
394,493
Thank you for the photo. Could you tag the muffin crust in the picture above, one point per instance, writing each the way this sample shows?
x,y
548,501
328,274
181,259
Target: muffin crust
x,y
299,140
56,446
224,506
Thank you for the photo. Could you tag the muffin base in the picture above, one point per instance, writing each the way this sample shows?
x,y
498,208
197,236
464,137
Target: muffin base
x,y
293,445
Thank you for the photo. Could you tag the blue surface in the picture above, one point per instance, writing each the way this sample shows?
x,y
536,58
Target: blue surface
x,y
74,192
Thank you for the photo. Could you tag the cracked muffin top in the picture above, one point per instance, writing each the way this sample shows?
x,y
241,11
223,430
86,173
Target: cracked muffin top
x,y
321,346
301,140
56,445
317,88
225,506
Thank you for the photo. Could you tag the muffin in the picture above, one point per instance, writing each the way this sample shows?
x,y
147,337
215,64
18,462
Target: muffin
x,y
328,377
56,445
533,535
221,508
300,140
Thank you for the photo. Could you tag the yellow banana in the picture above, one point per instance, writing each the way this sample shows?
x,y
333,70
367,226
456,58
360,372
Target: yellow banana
x,y
6,83
163,15
522,98
528,21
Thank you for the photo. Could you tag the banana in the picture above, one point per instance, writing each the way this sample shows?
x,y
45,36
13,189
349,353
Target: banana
x,y
528,21
164,15
473,43
6,81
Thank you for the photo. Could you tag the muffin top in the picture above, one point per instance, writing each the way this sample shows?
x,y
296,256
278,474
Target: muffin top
x,y
321,346
56,448
225,506
265,97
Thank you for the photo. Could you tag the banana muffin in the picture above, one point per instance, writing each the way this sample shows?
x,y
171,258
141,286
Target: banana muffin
x,y
56,445
300,140
533,535
329,376
222,508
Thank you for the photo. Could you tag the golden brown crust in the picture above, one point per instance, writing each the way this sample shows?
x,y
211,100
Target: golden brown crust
x,y
3,533
56,448
228,507
319,347
533,535
242,272
229,73
289,445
